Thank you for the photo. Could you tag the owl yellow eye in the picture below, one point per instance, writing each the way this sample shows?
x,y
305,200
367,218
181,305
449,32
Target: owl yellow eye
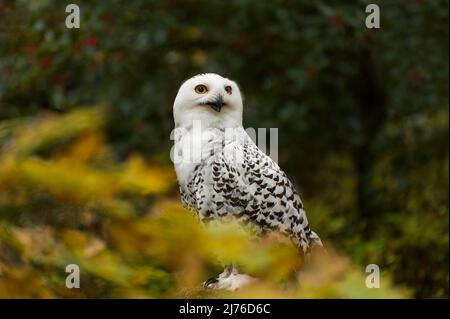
x,y
201,89
229,89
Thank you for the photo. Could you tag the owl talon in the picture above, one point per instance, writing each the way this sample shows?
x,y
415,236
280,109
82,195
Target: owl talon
x,y
230,279
210,283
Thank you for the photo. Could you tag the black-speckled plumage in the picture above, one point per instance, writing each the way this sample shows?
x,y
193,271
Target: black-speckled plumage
x,y
252,190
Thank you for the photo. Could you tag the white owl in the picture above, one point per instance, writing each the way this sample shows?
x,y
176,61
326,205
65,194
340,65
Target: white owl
x,y
223,175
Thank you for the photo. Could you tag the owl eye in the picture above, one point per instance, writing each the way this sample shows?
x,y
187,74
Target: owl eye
x,y
229,89
201,89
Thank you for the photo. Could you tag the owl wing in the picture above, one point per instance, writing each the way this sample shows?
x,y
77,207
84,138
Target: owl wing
x,y
250,185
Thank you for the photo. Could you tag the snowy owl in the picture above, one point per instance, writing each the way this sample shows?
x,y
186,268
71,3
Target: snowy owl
x,y
226,176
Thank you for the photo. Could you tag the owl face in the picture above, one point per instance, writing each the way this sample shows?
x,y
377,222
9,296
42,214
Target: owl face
x,y
208,96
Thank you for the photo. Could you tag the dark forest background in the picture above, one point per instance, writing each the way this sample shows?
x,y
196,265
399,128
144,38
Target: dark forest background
x,y
362,117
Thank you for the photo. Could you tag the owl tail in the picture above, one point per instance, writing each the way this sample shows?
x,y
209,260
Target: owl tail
x,y
314,240
315,244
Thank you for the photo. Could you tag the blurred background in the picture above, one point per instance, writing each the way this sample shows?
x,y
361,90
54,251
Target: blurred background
x,y
85,118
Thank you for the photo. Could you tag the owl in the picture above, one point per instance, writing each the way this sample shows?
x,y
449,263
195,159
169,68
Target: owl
x,y
223,175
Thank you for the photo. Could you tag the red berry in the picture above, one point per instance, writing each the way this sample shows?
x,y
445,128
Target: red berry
x,y
336,19
46,62
91,42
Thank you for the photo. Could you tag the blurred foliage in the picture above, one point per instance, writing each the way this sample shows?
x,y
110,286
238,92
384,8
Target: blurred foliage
x,y
362,117
64,200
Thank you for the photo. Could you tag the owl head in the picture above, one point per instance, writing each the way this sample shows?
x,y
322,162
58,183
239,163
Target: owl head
x,y
210,98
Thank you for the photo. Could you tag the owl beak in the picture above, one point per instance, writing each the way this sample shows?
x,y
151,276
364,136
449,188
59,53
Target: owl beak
x,y
217,104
